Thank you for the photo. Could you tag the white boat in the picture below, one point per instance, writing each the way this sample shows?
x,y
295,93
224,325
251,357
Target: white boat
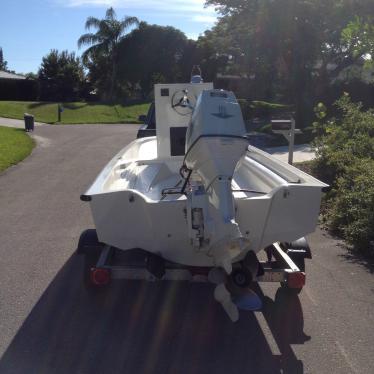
x,y
198,194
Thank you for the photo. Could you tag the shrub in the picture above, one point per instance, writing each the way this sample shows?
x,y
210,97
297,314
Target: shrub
x,y
340,140
350,212
345,160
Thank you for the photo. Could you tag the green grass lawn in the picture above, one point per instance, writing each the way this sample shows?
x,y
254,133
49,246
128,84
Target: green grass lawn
x,y
15,145
79,112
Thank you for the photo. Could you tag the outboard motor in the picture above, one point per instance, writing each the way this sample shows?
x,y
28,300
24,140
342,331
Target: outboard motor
x,y
215,142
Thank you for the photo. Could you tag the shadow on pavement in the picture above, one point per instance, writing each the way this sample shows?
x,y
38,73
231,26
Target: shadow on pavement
x,y
139,327
356,258
366,260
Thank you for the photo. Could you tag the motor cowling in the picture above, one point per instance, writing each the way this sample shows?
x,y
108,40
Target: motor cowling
x,y
215,135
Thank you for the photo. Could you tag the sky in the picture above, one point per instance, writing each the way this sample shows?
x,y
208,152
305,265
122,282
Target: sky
x,y
29,29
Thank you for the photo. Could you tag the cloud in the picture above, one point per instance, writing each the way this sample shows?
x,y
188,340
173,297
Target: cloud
x,y
169,6
204,18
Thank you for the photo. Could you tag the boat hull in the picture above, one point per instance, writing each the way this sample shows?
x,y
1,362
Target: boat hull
x,y
273,202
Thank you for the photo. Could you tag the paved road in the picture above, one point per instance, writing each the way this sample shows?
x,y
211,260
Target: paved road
x,y
302,152
49,324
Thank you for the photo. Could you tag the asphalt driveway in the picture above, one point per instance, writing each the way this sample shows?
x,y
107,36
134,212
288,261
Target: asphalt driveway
x,y
49,324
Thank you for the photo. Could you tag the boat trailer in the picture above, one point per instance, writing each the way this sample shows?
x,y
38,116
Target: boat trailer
x,y
285,264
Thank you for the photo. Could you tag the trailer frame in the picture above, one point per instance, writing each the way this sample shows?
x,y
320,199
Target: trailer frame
x,y
280,266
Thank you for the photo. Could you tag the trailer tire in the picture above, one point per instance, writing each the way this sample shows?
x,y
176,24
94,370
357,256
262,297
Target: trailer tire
x,y
87,241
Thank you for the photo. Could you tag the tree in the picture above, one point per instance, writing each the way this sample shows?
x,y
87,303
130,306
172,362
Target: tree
x,y
153,54
31,75
292,49
104,43
3,63
61,76
273,43
358,39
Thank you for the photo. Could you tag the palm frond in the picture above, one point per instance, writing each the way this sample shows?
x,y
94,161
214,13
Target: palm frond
x,y
89,52
89,38
129,21
92,22
110,14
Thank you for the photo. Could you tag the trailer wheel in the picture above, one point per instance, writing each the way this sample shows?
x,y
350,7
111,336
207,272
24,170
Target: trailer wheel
x,y
87,241
300,263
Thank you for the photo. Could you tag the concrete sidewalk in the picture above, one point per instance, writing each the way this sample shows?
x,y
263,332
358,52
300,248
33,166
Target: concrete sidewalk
x,y
19,123
302,152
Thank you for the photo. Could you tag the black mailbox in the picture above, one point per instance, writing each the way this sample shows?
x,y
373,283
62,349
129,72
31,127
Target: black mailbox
x,y
281,125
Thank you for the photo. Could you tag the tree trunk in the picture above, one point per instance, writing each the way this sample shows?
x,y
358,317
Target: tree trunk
x,y
113,78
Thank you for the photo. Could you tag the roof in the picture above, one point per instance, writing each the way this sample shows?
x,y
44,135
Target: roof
x,y
6,75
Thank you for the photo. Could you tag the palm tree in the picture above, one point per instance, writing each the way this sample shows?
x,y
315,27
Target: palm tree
x,y
105,41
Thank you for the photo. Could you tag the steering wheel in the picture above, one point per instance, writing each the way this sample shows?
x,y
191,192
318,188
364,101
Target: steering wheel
x,y
183,102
